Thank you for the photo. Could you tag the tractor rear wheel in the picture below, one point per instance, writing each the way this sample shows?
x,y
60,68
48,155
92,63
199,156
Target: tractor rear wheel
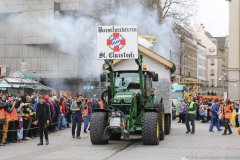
x,y
115,136
98,125
150,128
162,122
167,124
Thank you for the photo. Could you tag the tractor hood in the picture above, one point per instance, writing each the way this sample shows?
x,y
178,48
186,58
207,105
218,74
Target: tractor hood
x,y
124,95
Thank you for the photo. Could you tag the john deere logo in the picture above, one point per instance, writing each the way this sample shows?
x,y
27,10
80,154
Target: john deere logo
x,y
116,42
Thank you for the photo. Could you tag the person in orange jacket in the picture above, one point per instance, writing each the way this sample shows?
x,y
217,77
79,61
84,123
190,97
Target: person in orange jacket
x,y
3,121
12,134
227,114
101,104
87,114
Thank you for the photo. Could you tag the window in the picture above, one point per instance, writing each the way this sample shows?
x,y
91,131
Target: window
x,y
212,72
201,62
148,86
212,61
185,71
211,82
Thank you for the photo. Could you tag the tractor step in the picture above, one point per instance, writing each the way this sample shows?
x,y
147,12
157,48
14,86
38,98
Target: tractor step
x,y
125,134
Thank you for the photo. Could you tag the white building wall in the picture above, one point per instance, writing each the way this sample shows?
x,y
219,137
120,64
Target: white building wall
x,y
152,65
201,72
43,59
234,50
212,67
211,50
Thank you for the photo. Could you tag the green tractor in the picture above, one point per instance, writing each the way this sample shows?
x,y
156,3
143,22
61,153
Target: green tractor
x,y
130,107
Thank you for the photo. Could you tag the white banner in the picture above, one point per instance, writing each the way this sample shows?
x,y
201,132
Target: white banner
x,y
117,42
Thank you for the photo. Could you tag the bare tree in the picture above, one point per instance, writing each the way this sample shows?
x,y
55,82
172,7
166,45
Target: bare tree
x,y
180,10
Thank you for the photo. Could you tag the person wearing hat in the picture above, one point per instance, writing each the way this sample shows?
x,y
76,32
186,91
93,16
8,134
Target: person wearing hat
x,y
2,121
190,117
27,111
43,117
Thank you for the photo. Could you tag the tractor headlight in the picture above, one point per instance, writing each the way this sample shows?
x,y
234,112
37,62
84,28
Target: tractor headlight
x,y
116,101
127,101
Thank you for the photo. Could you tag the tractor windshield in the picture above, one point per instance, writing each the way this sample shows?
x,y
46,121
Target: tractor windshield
x,y
125,81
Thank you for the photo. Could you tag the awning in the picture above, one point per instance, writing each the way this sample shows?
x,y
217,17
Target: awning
x,y
176,87
42,87
190,83
25,75
4,85
22,83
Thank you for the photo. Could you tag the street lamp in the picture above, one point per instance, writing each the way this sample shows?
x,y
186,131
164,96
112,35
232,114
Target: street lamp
x,y
223,78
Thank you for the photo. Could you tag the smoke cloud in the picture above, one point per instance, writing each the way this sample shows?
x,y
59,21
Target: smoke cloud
x,y
75,34
135,13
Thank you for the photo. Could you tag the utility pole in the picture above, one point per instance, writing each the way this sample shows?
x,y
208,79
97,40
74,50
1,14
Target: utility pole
x,y
223,82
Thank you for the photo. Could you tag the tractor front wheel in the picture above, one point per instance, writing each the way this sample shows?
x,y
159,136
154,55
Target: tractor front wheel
x,y
98,125
150,128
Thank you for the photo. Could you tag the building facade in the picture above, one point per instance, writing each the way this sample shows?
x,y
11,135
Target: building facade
x,y
201,68
234,50
28,42
222,56
188,57
216,57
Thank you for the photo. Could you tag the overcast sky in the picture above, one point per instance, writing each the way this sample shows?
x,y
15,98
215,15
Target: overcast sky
x,y
214,15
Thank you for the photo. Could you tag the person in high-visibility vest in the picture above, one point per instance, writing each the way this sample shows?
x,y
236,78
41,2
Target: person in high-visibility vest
x,y
87,114
2,121
190,117
227,114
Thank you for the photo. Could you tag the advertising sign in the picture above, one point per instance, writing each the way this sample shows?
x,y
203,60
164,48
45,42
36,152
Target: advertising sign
x,y
117,42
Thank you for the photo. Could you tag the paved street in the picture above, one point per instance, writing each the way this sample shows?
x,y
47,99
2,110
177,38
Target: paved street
x,y
176,146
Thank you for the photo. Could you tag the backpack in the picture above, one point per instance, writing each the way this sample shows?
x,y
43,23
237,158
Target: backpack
x,y
95,105
57,109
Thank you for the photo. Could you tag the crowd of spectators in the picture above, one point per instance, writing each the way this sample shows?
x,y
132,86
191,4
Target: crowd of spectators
x,y
18,115
209,108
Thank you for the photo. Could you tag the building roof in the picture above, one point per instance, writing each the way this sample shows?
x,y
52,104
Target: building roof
x,y
184,32
152,55
9,82
208,35
221,42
